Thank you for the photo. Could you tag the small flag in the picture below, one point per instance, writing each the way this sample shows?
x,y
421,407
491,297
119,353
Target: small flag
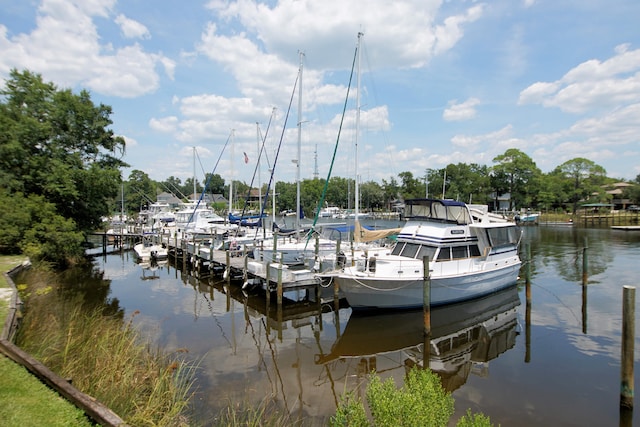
x,y
246,158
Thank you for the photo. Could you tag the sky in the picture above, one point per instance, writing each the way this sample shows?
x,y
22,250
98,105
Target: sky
x,y
202,86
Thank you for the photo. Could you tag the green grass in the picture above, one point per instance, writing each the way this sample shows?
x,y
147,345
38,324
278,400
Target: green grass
x,y
104,356
28,402
25,400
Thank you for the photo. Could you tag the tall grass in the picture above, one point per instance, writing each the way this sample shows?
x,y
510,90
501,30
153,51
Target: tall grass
x,y
105,358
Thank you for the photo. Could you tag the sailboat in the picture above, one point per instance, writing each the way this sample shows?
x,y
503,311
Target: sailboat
x,y
295,248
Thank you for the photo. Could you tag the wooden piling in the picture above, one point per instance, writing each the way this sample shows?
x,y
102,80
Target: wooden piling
x,y
527,313
585,263
426,309
279,289
227,267
628,337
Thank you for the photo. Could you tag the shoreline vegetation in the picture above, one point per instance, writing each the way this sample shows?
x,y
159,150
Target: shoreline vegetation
x,y
102,353
26,400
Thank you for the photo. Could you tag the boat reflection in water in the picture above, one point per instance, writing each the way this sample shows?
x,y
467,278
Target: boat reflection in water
x,y
150,268
464,337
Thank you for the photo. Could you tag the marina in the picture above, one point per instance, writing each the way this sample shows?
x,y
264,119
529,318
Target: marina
x,y
526,368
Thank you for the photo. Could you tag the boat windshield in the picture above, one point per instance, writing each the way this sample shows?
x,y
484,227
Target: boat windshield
x,y
438,210
414,250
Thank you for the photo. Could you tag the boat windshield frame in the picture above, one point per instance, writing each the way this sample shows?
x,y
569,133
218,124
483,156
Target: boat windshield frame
x,y
449,211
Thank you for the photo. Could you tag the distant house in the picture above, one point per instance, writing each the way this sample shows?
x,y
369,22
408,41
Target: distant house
x,y
170,199
209,199
617,191
219,198
501,202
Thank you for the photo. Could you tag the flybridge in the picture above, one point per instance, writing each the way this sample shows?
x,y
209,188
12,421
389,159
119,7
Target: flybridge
x,y
437,210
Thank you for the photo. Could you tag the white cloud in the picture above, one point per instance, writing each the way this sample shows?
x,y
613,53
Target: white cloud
x,y
65,47
132,29
591,85
463,111
130,142
404,33
165,124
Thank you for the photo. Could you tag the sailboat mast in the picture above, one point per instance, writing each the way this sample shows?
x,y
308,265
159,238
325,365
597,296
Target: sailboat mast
x,y
231,174
194,174
357,186
299,144
258,155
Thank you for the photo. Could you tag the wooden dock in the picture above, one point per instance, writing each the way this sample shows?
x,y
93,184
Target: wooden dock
x,y
198,256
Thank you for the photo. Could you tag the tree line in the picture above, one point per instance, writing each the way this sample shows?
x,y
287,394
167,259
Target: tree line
x,y
61,173
574,182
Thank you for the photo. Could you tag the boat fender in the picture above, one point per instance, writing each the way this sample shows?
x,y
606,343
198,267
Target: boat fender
x,y
372,264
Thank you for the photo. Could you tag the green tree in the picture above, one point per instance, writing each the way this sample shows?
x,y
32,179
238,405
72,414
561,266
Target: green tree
x,y
215,183
56,145
582,178
339,191
140,190
518,174
174,186
410,186
468,183
391,190
371,196
552,194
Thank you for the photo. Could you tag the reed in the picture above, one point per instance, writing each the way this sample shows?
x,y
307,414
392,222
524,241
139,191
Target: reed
x,y
105,358
265,414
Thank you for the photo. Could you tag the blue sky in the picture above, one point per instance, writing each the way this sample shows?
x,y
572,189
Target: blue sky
x,y
442,81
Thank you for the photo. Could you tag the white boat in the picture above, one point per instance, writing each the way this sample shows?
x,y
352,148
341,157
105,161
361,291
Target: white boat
x,y
292,250
149,251
467,259
156,216
329,212
207,223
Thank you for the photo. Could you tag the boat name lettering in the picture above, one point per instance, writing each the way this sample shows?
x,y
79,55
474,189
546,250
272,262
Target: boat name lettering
x,y
457,231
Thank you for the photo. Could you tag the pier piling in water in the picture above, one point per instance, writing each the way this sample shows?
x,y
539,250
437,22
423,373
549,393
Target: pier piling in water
x,y
628,337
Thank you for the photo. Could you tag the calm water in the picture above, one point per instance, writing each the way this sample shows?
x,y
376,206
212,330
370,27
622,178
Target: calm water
x,y
560,369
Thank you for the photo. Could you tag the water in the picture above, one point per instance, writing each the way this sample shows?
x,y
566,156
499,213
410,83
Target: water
x,y
561,368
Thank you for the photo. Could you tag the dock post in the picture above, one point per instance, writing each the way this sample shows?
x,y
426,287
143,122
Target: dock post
x,y
628,337
245,272
175,242
227,267
585,262
280,284
336,287
426,310
527,312
183,246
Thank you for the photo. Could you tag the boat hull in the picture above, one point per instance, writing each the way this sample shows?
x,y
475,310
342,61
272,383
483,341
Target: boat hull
x,y
364,291
146,253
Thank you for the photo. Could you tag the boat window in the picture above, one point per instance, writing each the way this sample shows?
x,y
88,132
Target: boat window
x,y
427,251
503,236
458,252
410,250
397,249
444,255
474,251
